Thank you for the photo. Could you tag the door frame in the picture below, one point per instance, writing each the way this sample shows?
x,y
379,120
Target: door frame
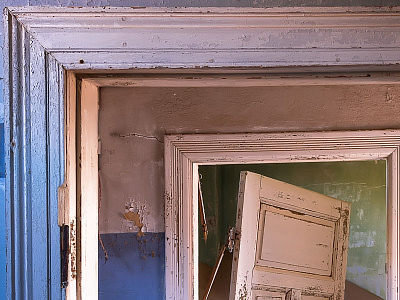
x,y
184,153
48,58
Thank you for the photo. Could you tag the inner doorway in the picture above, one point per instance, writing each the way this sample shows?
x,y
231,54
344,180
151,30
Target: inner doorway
x,y
363,183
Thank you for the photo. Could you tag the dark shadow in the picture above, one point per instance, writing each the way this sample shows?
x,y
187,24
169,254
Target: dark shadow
x,y
354,292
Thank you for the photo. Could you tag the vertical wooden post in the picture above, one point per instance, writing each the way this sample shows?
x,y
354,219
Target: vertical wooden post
x,y
88,192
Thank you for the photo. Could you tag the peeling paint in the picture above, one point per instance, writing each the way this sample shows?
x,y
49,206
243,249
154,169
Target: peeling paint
x,y
135,217
390,96
73,250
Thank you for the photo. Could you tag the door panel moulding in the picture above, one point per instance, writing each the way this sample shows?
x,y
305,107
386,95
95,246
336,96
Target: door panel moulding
x,y
45,55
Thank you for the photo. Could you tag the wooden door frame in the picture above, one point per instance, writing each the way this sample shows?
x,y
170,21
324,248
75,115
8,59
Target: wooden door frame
x,y
184,153
45,57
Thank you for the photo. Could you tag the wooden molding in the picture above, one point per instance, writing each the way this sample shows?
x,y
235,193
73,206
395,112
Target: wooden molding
x,y
121,38
183,153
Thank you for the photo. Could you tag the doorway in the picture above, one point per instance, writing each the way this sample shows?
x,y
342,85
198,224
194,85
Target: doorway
x,y
362,183
134,121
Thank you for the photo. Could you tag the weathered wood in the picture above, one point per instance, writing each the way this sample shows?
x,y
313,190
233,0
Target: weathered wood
x,y
69,207
288,241
393,206
242,80
242,269
265,148
305,201
264,295
34,138
35,135
245,47
191,37
260,278
88,191
305,231
294,295
56,162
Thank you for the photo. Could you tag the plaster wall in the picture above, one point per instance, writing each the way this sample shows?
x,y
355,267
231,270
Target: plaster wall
x,y
133,122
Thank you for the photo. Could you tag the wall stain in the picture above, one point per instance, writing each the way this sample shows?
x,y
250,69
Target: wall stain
x,y
135,217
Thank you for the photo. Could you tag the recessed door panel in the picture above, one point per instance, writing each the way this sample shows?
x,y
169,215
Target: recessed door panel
x,y
281,231
267,295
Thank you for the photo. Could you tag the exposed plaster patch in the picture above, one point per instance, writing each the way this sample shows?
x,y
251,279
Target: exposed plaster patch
x,y
135,217
134,213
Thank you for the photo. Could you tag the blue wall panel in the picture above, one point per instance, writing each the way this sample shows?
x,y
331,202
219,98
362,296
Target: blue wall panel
x,y
135,267
2,241
2,219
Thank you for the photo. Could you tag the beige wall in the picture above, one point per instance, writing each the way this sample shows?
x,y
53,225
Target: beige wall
x,y
132,166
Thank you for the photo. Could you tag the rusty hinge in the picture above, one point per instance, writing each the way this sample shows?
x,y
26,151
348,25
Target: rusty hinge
x,y
64,239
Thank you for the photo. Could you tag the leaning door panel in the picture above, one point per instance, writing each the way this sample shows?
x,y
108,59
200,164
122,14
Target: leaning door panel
x,y
290,239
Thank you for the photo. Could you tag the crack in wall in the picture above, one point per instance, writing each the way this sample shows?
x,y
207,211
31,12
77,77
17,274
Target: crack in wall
x,y
139,135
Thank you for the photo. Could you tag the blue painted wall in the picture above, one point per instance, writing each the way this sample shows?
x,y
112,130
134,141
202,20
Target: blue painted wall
x,y
135,267
2,218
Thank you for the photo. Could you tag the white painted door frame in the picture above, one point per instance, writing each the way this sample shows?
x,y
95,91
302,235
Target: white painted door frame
x,y
122,40
184,153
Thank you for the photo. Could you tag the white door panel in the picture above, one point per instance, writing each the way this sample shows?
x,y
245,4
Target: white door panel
x,y
289,239
311,237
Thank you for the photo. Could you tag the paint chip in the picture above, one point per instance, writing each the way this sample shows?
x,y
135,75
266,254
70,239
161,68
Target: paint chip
x,y
135,217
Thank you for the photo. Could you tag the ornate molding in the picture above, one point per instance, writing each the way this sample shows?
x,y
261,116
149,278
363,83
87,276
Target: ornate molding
x,y
123,38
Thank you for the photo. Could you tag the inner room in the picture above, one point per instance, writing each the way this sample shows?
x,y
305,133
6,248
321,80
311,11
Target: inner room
x,y
362,183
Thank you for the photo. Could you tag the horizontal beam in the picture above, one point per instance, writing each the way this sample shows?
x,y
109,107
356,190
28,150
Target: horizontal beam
x,y
124,38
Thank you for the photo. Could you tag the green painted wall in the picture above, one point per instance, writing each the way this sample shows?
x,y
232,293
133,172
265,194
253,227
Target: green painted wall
x,y
361,183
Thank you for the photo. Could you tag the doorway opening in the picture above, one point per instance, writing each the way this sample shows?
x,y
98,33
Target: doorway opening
x,y
362,183
184,153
